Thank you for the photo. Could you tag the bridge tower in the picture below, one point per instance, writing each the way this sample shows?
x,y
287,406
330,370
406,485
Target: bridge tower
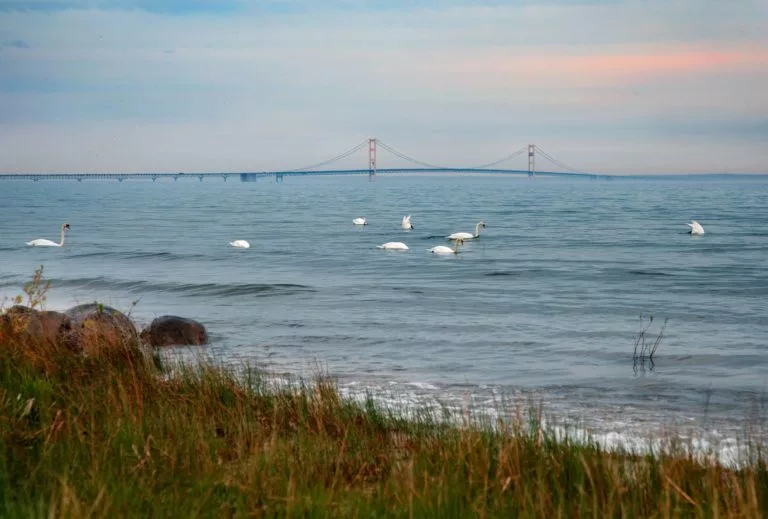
x,y
371,158
531,160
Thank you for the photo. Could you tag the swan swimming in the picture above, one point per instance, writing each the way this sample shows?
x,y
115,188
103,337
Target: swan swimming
x,y
407,225
443,250
696,227
466,235
393,245
240,244
360,221
42,242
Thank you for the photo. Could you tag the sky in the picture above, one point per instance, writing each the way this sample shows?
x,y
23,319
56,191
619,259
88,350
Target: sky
x,y
646,86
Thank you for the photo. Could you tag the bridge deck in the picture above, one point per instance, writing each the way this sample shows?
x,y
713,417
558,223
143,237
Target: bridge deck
x,y
254,175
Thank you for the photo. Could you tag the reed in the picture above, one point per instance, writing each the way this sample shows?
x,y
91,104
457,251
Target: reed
x,y
125,435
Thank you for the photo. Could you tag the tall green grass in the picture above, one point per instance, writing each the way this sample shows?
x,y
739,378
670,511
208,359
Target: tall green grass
x,y
120,434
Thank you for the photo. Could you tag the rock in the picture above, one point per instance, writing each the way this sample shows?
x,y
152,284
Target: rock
x,y
171,330
27,323
21,310
95,327
52,326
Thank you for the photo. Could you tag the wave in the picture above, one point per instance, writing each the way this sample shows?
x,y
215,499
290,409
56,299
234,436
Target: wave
x,y
185,289
482,405
161,255
526,272
409,290
502,273
649,273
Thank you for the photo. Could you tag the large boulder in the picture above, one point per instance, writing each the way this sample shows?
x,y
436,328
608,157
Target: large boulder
x,y
25,323
96,328
172,330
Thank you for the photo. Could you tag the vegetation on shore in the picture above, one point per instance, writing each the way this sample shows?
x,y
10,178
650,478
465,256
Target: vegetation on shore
x,y
120,434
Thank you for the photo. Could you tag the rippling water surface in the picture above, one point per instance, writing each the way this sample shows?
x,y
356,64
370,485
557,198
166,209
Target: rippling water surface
x,y
545,304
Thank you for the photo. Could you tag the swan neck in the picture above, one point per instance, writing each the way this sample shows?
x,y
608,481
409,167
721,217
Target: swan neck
x,y
61,243
477,230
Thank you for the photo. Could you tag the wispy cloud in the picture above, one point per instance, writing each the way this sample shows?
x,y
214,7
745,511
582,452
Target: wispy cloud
x,y
175,7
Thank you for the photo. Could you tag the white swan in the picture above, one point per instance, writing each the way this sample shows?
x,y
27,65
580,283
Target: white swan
x,y
696,227
443,250
393,245
466,235
407,225
42,242
240,244
360,221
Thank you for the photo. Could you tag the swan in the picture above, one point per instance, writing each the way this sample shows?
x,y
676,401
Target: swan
x,y
466,235
696,227
240,244
407,225
42,242
443,250
360,221
393,245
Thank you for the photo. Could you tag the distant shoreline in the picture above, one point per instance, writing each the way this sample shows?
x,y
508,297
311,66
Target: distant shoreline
x,y
254,175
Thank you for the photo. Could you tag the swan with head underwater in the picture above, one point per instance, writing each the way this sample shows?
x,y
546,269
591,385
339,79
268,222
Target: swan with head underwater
x,y
393,245
466,235
443,250
240,244
42,242
696,228
406,224
360,221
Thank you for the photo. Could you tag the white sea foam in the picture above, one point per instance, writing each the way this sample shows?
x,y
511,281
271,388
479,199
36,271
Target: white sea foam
x,y
423,385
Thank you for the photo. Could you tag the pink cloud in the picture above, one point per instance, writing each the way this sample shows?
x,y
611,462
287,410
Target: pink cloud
x,y
490,70
654,64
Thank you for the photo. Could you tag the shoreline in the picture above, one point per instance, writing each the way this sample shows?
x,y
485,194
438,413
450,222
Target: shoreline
x,y
409,400
415,398
117,428
175,439
486,404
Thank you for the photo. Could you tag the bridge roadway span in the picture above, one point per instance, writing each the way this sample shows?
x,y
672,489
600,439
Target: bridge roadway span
x,y
279,175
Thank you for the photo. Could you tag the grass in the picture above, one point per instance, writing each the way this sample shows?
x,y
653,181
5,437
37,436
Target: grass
x,y
121,434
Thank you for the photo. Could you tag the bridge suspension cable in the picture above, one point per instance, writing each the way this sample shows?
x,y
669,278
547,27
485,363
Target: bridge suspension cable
x,y
428,165
555,161
503,159
334,159
406,157
413,160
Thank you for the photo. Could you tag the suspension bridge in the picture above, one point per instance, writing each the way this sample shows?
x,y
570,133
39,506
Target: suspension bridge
x,y
531,151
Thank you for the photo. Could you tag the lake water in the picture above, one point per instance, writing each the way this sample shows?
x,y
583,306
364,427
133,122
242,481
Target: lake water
x,y
543,307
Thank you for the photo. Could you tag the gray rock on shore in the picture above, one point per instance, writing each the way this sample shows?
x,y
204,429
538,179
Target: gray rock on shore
x,y
172,330
94,325
93,328
30,323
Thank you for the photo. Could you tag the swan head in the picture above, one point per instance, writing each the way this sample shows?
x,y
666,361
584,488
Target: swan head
x,y
481,224
65,227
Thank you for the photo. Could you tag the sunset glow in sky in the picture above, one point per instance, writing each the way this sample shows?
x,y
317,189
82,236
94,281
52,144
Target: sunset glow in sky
x,y
647,86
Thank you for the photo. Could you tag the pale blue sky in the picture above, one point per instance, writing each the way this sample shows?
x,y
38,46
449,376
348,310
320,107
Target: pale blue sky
x,y
239,85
